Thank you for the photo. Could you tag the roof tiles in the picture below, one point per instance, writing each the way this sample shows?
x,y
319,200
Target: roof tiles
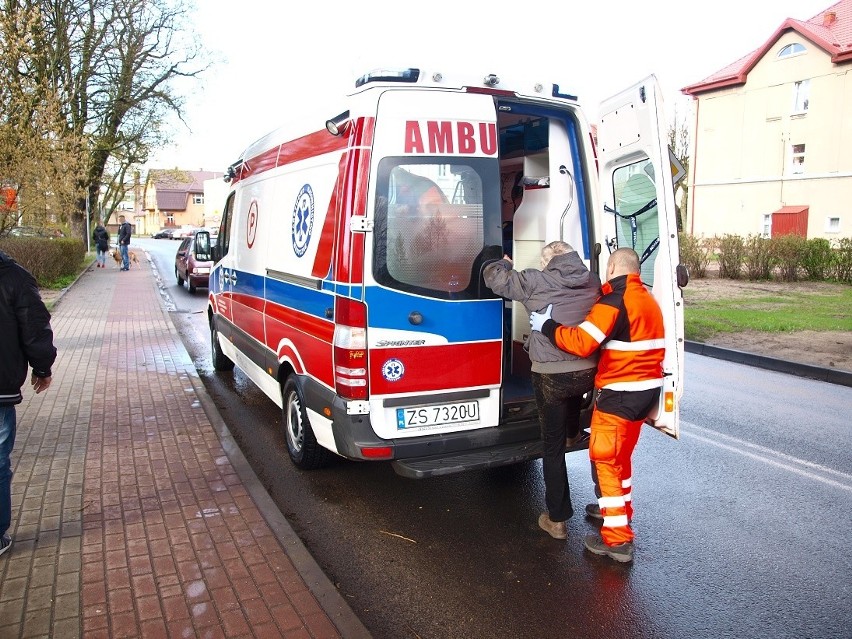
x,y
830,29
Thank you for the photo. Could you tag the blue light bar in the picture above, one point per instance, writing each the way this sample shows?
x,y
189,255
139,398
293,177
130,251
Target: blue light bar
x,y
567,96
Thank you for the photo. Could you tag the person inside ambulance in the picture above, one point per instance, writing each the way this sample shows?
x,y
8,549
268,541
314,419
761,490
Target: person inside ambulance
x,y
627,325
415,195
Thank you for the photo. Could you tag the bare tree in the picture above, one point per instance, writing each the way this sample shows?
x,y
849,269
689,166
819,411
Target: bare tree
x,y
679,144
114,66
39,157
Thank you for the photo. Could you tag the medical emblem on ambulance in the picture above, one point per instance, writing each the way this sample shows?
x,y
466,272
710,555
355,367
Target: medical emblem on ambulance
x,y
393,370
303,220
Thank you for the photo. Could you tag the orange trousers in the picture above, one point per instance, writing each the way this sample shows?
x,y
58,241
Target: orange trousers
x,y
611,446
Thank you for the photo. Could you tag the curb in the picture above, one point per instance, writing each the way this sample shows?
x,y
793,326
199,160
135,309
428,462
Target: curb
x,y
328,597
830,375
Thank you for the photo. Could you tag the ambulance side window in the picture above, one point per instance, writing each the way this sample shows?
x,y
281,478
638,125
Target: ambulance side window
x,y
225,227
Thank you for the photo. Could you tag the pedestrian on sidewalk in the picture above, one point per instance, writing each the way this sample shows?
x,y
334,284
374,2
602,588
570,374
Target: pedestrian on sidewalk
x,y
26,339
124,233
627,324
560,379
101,236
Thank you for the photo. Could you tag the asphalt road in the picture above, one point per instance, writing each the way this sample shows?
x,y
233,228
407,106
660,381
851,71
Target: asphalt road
x,y
742,525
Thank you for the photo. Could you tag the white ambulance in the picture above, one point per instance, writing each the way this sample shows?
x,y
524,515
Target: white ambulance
x,y
348,278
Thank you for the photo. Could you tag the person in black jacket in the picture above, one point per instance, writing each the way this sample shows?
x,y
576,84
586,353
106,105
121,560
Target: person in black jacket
x,y
124,242
26,339
101,236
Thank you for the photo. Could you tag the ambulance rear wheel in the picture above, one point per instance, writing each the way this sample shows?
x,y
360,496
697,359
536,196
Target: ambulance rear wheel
x,y
221,362
302,446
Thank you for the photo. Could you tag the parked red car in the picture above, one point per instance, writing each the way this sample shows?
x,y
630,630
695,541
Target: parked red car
x,y
193,261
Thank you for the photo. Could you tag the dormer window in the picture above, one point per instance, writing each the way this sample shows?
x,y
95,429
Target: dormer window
x,y
791,49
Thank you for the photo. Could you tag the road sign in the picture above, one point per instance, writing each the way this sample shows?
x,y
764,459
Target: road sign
x,y
678,172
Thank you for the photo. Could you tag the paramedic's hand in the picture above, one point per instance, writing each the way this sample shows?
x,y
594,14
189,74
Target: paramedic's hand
x,y
537,320
508,259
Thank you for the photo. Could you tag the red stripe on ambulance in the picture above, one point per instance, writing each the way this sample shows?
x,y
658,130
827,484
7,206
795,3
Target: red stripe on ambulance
x,y
431,368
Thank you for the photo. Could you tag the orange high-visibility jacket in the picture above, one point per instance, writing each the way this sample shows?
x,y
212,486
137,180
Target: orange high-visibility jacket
x,y
627,324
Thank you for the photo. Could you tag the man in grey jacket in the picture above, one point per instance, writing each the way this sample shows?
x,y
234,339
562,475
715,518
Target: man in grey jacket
x,y
560,379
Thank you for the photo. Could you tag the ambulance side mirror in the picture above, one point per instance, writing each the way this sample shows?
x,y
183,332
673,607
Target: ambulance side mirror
x,y
202,246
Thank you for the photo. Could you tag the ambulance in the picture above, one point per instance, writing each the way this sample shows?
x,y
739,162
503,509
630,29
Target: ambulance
x,y
348,268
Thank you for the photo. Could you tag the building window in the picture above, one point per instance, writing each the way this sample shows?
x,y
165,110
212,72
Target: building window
x,y
170,219
767,226
832,225
800,96
791,49
197,198
797,165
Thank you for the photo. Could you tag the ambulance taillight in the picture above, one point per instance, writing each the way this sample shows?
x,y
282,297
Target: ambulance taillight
x,y
350,349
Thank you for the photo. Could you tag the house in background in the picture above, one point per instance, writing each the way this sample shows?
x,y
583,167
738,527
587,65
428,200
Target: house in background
x,y
173,198
772,137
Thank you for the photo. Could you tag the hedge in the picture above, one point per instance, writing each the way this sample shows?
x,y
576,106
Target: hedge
x,y
48,259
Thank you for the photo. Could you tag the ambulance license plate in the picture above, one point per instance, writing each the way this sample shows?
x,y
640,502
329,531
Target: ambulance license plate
x,y
438,415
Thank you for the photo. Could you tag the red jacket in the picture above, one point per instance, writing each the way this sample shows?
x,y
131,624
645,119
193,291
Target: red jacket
x,y
627,324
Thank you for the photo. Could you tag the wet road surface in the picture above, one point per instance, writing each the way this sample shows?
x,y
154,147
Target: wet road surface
x,y
742,526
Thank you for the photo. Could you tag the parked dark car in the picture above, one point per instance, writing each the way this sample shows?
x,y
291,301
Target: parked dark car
x,y
193,261
162,234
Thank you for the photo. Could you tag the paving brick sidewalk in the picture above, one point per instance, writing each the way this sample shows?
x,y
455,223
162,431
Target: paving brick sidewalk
x,y
129,517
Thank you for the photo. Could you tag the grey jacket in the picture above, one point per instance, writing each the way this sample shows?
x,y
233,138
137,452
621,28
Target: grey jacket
x,y
568,285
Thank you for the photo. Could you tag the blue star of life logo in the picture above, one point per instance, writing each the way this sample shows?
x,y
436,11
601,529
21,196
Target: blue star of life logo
x,y
393,370
303,220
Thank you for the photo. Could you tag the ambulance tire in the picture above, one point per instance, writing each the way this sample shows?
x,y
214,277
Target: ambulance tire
x,y
302,446
221,362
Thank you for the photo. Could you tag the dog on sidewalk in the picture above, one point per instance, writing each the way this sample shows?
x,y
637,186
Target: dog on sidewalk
x,y
116,255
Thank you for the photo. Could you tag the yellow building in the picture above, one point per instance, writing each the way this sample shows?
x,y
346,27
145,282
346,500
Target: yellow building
x,y
772,135
174,198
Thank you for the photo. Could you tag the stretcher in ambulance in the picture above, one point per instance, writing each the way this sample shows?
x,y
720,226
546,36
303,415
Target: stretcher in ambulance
x,y
348,278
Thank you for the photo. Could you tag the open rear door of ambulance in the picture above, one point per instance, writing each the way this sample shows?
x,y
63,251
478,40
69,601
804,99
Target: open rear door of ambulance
x,y
637,194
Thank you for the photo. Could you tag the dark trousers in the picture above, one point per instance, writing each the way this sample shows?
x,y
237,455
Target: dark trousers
x,y
7,442
559,397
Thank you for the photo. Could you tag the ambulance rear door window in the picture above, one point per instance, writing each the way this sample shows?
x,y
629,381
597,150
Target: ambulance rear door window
x,y
436,222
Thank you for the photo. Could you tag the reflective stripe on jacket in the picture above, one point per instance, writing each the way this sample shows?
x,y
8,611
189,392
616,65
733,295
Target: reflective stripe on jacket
x,y
627,324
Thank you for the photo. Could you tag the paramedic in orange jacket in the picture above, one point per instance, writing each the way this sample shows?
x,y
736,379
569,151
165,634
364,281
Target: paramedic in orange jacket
x,y
627,325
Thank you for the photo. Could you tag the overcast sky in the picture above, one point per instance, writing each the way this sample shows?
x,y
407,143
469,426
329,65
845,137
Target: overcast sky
x,y
276,58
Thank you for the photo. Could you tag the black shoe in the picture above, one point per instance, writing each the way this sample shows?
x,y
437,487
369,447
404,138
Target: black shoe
x,y
5,543
594,511
622,553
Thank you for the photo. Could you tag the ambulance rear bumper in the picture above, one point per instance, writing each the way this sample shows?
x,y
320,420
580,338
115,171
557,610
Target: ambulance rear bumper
x,y
442,454
514,441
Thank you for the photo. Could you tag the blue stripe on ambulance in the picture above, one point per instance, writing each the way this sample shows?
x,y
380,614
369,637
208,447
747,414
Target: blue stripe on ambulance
x,y
457,321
